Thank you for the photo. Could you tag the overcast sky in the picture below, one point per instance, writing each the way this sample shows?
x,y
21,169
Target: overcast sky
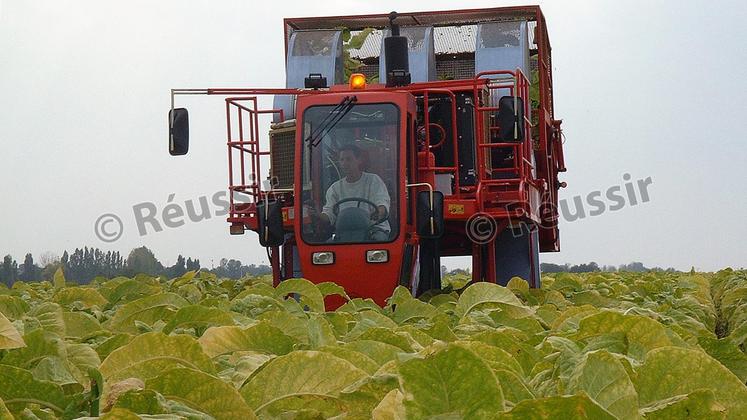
x,y
647,88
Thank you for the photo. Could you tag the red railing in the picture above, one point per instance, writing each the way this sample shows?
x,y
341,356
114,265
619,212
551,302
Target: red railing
x,y
244,176
486,108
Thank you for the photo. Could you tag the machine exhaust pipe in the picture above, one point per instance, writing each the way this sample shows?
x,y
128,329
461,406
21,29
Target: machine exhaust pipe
x,y
396,56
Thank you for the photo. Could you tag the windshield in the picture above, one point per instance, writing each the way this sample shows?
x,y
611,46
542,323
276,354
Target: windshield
x,y
350,184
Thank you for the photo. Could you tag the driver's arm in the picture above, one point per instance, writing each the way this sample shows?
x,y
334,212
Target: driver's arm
x,y
380,196
331,198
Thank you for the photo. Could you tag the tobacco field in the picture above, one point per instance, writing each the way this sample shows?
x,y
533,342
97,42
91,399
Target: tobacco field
x,y
598,346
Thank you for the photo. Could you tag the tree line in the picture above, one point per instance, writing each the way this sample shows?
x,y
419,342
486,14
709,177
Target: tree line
x,y
84,264
633,267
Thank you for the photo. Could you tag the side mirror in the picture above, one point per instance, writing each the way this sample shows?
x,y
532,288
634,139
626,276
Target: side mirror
x,y
269,215
511,118
178,131
430,214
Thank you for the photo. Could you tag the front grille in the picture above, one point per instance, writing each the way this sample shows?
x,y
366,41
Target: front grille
x,y
282,156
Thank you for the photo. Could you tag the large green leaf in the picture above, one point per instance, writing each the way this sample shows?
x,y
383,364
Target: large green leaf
x,y
259,337
320,332
515,389
88,297
9,336
148,310
131,289
387,336
80,324
149,354
112,343
59,279
641,333
412,310
378,351
54,369
239,366
300,373
495,357
308,293
451,381
483,292
604,379
4,412
13,307
47,316
362,397
82,358
576,407
292,325
391,407
728,353
526,355
198,316
18,388
141,401
358,359
202,392
700,404
671,371
39,344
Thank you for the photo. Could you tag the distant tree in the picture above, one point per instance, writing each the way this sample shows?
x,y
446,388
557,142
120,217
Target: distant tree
x,y
178,269
47,273
65,261
28,270
635,267
9,271
235,269
256,270
553,268
460,271
47,258
142,261
192,265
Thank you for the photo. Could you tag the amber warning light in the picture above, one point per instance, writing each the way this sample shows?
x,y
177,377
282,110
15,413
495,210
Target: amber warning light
x,y
357,81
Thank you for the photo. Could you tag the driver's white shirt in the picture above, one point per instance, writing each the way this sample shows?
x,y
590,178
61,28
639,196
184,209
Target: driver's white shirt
x,y
369,186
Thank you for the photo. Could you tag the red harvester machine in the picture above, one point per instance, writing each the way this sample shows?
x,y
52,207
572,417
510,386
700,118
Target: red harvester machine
x,y
443,142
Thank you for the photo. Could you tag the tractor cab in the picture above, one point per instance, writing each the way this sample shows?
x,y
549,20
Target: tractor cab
x,y
351,178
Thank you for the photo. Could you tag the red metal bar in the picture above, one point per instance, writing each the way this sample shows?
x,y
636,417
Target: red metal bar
x,y
230,157
241,139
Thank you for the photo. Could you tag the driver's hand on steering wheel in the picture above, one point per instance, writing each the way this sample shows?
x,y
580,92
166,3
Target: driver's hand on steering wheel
x,y
378,214
315,216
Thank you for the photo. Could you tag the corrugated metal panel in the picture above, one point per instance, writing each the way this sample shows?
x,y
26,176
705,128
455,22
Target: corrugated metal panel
x,y
447,40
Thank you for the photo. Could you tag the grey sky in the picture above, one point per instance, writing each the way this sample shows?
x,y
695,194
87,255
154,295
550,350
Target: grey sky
x,y
650,88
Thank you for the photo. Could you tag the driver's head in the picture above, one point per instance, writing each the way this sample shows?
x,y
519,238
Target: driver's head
x,y
351,160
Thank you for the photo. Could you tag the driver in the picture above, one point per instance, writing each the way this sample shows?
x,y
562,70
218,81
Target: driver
x,y
358,184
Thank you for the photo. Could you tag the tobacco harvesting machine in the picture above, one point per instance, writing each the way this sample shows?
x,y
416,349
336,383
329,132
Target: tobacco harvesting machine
x,y
450,117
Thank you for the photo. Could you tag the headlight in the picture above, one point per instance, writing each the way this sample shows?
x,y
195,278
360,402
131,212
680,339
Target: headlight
x,y
323,258
377,256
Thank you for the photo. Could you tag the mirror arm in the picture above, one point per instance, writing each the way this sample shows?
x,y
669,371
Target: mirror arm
x,y
273,191
430,196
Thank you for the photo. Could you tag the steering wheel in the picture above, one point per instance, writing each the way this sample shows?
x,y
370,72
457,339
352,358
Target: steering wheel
x,y
336,207
441,134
